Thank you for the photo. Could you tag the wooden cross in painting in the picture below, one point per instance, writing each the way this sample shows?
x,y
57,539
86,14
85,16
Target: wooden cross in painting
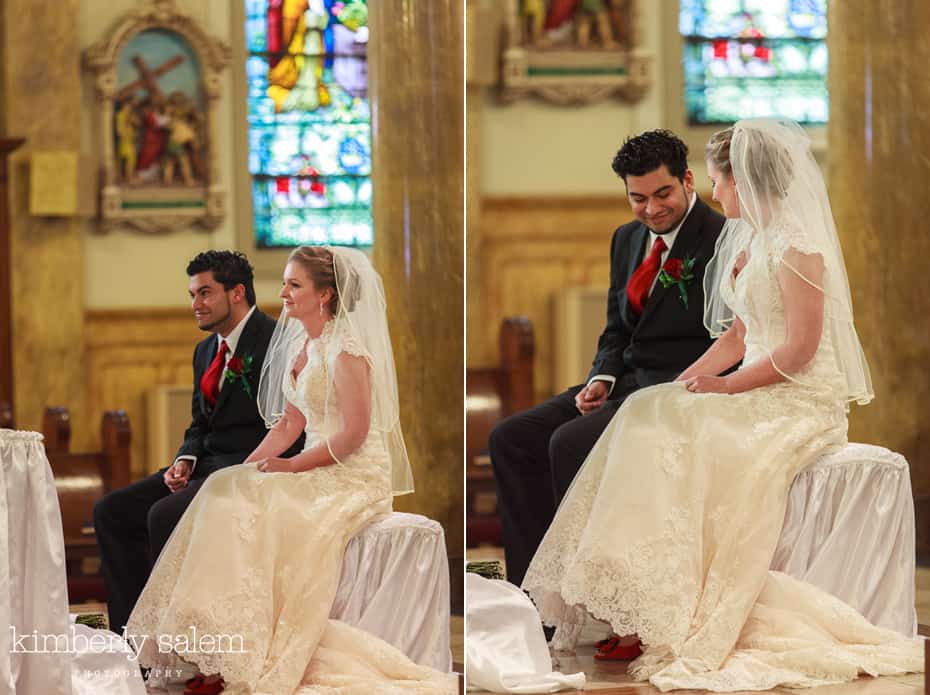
x,y
149,78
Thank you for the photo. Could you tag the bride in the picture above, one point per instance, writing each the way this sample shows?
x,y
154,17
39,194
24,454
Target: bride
x,y
696,473
255,562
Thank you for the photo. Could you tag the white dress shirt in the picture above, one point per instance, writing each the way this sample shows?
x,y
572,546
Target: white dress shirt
x,y
669,239
232,340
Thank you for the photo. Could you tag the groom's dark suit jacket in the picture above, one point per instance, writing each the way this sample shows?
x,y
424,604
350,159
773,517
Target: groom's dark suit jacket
x,y
225,434
668,337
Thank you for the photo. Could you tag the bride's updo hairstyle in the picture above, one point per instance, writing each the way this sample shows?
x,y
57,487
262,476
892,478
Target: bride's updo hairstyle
x,y
769,168
717,151
317,261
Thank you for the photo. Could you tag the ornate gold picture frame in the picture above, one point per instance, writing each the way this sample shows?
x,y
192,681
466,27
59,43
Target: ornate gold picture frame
x,y
157,79
573,51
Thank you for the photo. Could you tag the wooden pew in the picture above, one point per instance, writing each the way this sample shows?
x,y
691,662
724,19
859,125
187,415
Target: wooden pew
x,y
491,394
81,479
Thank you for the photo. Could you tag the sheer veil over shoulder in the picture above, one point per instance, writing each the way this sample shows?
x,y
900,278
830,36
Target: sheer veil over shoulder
x,y
360,322
786,211
697,483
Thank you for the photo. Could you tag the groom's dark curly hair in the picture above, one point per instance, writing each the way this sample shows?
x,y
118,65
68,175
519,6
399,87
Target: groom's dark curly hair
x,y
229,268
647,152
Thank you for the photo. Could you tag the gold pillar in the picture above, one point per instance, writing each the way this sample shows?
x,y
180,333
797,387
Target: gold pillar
x,y
41,96
416,76
476,297
483,25
879,137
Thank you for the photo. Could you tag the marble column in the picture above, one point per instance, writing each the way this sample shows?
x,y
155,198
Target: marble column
x,y
878,174
41,94
416,74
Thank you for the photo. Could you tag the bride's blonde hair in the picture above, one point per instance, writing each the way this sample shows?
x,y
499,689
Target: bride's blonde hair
x,y
717,150
770,169
320,265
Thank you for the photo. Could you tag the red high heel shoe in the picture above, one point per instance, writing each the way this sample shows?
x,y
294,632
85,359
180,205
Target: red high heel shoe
x,y
198,686
612,650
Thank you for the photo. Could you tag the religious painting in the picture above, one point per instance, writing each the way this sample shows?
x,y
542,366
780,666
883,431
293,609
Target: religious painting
x,y
573,51
309,122
157,86
159,121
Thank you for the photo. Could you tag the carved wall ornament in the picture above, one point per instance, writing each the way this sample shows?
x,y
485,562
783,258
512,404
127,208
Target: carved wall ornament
x,y
157,79
573,51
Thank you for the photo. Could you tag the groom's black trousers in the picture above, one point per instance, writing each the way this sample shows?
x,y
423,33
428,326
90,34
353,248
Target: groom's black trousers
x,y
133,524
535,455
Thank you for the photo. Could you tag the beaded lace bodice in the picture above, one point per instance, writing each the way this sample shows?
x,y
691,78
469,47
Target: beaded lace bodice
x,y
312,391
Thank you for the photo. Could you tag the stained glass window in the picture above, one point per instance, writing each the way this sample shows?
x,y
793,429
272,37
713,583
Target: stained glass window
x,y
749,58
309,122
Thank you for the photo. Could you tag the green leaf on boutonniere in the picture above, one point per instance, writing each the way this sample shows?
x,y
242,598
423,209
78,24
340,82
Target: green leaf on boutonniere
x,y
238,369
683,293
680,272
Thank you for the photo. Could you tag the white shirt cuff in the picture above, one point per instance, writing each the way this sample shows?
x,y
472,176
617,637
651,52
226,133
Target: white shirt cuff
x,y
192,459
604,377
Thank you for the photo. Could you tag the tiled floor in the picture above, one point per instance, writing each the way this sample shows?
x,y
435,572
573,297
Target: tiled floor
x,y
611,679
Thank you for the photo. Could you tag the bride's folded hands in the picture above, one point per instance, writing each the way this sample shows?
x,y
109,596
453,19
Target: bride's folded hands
x,y
726,351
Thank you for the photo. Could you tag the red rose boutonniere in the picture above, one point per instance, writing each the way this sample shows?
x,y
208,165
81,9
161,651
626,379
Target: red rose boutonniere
x,y
237,369
678,271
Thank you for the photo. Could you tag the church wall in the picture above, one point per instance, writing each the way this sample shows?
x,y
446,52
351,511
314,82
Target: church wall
x,y
158,278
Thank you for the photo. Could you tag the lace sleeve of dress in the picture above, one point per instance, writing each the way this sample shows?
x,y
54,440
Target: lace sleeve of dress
x,y
351,346
790,236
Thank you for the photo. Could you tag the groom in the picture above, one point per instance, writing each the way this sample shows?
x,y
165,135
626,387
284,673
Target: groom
x,y
134,523
653,333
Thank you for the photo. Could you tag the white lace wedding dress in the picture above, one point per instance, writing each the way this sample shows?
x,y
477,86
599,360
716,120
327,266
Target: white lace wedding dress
x,y
669,529
245,585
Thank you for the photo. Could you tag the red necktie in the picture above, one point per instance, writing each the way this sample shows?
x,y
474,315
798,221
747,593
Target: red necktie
x,y
637,289
210,381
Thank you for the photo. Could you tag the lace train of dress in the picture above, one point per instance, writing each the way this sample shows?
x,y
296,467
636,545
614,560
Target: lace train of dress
x,y
700,500
669,528
245,585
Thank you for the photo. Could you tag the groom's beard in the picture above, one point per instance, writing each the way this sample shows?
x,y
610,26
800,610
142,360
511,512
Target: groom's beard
x,y
216,322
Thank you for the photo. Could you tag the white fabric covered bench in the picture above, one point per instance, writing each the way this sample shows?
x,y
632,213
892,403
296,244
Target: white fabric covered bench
x,y
849,530
395,585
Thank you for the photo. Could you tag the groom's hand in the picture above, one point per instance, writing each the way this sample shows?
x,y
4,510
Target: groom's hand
x,y
591,397
177,476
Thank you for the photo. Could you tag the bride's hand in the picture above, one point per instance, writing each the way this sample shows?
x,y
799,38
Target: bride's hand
x,y
275,465
707,384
